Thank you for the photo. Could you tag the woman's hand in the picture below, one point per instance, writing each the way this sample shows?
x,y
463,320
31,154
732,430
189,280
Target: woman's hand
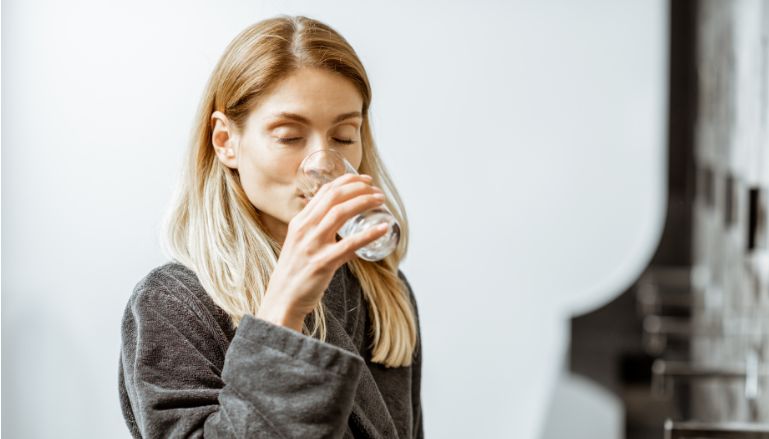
x,y
311,254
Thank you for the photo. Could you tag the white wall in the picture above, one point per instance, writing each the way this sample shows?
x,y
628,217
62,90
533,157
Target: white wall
x,y
527,139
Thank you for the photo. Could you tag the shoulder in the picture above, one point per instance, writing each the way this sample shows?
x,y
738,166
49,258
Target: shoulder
x,y
166,281
176,291
169,312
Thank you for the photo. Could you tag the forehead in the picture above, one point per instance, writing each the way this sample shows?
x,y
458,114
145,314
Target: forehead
x,y
318,95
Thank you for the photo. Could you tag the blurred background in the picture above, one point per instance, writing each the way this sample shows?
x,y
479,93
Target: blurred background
x,y
586,181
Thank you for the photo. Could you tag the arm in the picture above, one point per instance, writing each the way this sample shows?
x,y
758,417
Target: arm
x,y
416,368
416,395
275,382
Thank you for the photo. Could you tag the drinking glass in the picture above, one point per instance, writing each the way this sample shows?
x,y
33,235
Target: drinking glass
x,y
323,166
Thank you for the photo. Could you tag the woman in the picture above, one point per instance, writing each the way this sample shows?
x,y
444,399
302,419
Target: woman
x,y
265,323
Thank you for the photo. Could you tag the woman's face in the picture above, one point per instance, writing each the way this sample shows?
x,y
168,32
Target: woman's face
x,y
309,110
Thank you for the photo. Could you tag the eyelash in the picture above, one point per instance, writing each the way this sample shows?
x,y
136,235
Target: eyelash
x,y
294,139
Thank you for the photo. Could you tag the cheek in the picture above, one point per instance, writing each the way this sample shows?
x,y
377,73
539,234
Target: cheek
x,y
355,156
268,180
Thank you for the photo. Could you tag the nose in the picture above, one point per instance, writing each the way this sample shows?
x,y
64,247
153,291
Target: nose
x,y
328,161
321,160
323,164
319,144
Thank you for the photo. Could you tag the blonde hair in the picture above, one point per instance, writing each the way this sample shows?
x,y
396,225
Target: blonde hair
x,y
212,227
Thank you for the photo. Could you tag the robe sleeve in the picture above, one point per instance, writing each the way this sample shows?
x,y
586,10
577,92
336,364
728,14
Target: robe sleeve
x,y
416,369
274,383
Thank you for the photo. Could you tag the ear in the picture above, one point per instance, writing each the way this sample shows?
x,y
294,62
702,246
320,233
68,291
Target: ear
x,y
225,140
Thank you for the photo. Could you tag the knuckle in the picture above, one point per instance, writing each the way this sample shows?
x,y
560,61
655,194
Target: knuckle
x,y
372,200
324,188
335,192
349,244
328,201
362,186
306,252
355,243
335,214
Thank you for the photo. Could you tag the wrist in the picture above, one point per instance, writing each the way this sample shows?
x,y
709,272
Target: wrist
x,y
281,315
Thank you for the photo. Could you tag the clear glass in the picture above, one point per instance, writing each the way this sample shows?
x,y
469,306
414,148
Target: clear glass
x,y
325,165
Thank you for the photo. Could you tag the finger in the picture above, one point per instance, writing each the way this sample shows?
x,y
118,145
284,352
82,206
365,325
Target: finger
x,y
344,250
349,178
342,212
310,206
338,195
328,186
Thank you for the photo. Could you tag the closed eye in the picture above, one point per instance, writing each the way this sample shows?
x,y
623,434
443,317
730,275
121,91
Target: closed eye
x,y
296,139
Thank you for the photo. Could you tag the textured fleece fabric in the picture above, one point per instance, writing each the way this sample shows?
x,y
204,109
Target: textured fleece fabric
x,y
185,371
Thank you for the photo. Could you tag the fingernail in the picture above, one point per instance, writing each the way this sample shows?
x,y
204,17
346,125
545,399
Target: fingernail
x,y
367,177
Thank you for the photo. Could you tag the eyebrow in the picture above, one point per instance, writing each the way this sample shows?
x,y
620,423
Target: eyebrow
x,y
302,119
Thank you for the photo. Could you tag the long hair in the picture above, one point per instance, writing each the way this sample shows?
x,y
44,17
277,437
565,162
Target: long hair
x,y
212,227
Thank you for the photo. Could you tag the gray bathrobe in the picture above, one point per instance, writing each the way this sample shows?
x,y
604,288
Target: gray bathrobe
x,y
186,372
